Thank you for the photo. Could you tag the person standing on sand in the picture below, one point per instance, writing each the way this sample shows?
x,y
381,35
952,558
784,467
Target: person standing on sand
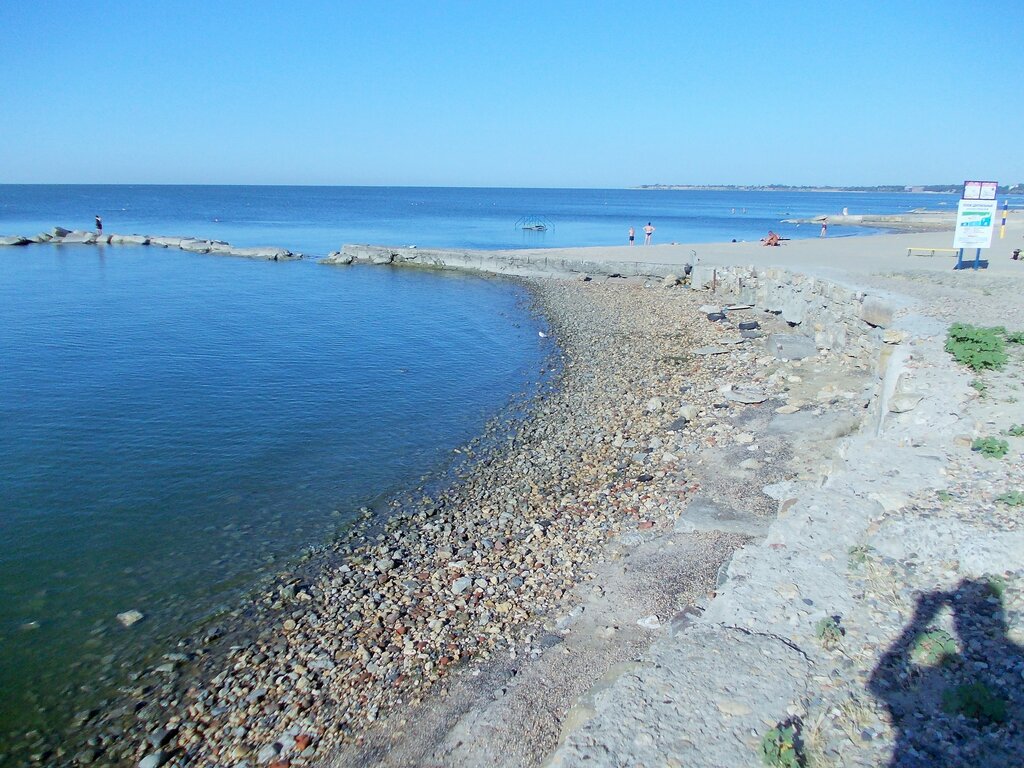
x,y
648,231
99,225
632,235
824,228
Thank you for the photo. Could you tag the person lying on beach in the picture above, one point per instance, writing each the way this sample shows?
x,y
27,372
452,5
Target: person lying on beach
x,y
771,239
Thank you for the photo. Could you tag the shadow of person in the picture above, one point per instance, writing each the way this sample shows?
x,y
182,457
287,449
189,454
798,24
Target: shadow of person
x,y
955,703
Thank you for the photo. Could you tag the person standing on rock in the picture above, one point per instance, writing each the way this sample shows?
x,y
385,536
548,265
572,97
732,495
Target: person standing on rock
x,y
648,231
99,225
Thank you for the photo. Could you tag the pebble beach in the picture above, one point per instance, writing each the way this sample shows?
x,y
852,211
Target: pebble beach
x,y
671,438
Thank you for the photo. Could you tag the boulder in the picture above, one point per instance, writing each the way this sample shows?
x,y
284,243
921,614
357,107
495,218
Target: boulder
x,y
78,236
876,312
129,240
195,246
59,232
42,237
14,240
260,252
787,346
339,257
166,242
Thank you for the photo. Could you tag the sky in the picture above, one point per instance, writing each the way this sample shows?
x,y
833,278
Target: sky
x,y
527,94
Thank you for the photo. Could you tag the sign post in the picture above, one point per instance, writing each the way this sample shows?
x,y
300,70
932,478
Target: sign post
x,y
975,220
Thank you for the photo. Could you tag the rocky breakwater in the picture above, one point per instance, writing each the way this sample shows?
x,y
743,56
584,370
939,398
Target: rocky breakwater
x,y
881,621
61,236
471,572
497,262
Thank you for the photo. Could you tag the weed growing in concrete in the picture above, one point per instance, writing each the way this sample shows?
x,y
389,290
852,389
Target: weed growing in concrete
x,y
859,555
781,747
974,700
992,447
977,348
829,633
933,648
979,385
1017,430
944,496
1012,498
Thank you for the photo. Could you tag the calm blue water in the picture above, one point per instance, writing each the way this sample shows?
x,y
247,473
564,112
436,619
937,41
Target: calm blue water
x,y
175,425
317,220
172,426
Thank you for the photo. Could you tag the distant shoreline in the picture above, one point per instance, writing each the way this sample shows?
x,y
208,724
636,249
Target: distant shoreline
x,y
888,189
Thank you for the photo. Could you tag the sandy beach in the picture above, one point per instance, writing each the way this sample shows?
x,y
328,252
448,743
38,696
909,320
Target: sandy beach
x,y
520,615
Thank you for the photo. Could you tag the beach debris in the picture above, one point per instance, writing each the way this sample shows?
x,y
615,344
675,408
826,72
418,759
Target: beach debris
x,y
749,325
130,618
542,334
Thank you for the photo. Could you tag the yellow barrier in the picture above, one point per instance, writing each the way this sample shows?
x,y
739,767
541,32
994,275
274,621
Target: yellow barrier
x,y
930,251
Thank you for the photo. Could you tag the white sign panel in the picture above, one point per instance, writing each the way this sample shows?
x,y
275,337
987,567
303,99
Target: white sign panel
x,y
975,222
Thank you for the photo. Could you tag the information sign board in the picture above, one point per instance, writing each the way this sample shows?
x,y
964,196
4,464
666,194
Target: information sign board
x,y
980,190
975,222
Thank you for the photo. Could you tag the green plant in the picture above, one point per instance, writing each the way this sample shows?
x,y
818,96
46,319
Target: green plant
x,y
944,496
1015,337
859,554
997,585
829,632
1017,430
974,700
934,647
780,747
992,447
977,348
979,385
1012,498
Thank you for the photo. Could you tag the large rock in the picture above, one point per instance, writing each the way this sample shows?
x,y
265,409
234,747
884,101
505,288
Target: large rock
x,y
876,312
786,346
15,240
794,310
195,246
78,236
339,257
270,254
166,242
129,240
59,232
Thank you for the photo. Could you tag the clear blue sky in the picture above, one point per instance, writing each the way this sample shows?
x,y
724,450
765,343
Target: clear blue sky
x,y
587,94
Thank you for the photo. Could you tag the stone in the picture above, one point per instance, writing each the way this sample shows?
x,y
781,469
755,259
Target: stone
x,y
130,618
195,246
903,403
794,311
749,325
267,753
339,257
670,281
874,311
655,404
649,622
787,409
86,238
891,336
461,584
786,346
746,394
16,240
154,759
58,232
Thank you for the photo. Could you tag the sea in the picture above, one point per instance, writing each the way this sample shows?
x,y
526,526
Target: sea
x,y
176,428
